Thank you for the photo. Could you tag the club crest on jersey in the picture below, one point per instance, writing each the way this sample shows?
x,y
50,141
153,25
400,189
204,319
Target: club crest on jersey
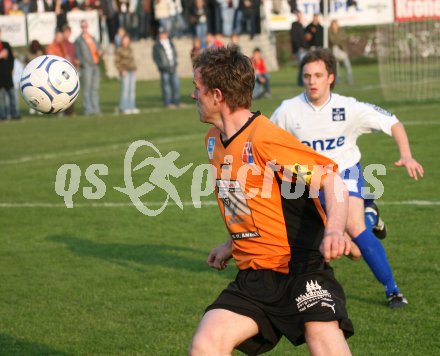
x,y
210,147
338,114
247,156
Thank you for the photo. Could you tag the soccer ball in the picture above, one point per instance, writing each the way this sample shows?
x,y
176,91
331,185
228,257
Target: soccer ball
x,y
49,84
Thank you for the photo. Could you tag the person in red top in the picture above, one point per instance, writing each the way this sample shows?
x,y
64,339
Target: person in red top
x,y
262,87
57,47
267,186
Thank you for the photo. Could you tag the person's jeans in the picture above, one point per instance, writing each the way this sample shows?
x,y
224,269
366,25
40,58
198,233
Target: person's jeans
x,y
201,31
8,103
342,56
90,78
299,57
170,88
128,91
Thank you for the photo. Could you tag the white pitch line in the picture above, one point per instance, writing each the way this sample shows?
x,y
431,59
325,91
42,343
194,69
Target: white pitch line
x,y
186,203
421,123
86,151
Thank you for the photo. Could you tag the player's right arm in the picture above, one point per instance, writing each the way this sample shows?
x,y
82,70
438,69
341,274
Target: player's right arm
x,y
220,256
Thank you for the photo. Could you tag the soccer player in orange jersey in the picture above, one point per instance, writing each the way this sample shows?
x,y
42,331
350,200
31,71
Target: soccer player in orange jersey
x,y
266,186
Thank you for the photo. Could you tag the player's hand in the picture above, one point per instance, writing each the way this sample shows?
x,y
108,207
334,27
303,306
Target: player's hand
x,y
413,167
220,256
334,245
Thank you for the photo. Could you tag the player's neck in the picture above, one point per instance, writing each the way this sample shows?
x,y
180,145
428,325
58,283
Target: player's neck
x,y
320,103
233,122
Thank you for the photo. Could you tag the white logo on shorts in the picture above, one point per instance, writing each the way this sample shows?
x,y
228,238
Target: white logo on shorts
x,y
314,294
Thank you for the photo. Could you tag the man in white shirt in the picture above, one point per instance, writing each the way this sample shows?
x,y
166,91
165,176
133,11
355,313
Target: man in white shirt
x,y
331,123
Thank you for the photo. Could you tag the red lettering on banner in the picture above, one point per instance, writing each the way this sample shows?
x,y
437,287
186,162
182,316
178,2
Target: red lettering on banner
x,y
416,10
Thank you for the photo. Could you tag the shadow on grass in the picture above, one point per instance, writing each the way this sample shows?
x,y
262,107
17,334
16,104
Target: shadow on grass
x,y
169,256
12,346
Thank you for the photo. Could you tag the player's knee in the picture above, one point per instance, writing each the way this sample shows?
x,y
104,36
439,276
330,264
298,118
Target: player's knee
x,y
203,343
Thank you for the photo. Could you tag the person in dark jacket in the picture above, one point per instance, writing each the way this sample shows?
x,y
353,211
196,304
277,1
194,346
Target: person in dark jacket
x,y
315,33
299,43
6,82
165,57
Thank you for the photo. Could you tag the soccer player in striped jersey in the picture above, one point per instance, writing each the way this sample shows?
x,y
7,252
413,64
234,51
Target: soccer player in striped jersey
x,y
330,124
267,184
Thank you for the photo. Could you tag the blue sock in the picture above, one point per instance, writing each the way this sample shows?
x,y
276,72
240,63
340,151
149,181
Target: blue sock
x,y
375,256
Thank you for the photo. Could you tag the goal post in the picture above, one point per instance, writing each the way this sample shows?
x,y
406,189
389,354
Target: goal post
x,y
409,60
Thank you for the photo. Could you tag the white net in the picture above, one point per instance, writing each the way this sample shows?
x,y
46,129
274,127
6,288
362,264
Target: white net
x,y
409,60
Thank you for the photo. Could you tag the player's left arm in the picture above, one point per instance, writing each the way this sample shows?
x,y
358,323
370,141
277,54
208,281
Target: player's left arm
x,y
414,168
335,243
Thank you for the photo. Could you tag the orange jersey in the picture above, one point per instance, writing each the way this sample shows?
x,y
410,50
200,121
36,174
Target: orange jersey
x,y
254,173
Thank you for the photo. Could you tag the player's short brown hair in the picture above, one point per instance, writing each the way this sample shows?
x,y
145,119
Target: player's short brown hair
x,y
227,69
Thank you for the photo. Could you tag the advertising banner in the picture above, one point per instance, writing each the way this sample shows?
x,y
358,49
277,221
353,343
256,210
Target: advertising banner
x,y
279,16
13,30
41,27
416,10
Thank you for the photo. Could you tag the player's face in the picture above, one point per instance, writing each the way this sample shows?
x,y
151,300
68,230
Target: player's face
x,y
317,82
204,99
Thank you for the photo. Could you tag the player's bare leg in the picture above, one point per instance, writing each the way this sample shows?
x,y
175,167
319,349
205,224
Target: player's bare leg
x,y
326,339
220,331
355,253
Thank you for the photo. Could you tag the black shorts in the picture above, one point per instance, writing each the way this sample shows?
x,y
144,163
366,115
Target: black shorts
x,y
281,303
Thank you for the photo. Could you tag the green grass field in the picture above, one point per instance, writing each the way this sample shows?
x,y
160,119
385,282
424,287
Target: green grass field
x,y
104,279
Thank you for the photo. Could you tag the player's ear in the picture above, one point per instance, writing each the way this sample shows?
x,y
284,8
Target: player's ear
x,y
331,78
218,95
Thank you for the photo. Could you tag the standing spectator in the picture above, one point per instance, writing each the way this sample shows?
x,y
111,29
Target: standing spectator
x,y
227,13
162,14
178,25
57,46
62,8
123,13
40,6
35,50
88,52
69,46
251,14
119,35
165,57
25,6
145,19
109,12
215,22
262,87
70,56
134,8
124,61
199,19
6,82
299,44
15,9
338,39
196,48
315,33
